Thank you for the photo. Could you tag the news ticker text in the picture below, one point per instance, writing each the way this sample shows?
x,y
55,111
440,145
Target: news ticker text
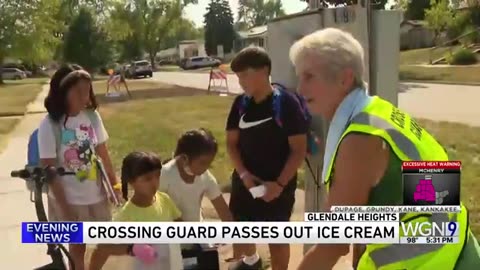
x,y
397,209
331,232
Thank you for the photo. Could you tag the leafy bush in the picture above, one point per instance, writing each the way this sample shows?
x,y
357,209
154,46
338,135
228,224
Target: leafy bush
x,y
463,56
471,37
457,26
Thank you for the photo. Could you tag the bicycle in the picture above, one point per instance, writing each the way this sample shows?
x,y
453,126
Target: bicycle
x,y
42,176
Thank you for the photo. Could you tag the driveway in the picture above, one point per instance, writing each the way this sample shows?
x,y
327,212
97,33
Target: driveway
x,y
439,102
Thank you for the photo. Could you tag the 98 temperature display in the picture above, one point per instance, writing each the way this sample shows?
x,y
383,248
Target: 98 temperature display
x,y
429,232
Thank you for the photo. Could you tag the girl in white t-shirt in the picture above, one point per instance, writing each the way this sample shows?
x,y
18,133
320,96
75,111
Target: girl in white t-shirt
x,y
186,178
71,136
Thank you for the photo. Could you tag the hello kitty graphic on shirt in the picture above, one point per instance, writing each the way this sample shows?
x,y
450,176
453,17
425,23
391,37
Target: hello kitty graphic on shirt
x,y
79,155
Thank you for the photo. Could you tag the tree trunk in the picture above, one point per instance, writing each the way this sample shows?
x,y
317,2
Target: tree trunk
x,y
152,59
436,37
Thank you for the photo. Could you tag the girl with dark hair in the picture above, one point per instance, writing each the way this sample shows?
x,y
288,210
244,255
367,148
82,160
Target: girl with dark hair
x,y
141,171
58,99
72,136
187,173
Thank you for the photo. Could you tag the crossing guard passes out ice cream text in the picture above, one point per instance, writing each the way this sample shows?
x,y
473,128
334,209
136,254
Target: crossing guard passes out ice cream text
x,y
213,232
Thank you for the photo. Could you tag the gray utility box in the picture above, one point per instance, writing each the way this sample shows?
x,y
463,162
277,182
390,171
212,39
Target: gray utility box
x,y
379,37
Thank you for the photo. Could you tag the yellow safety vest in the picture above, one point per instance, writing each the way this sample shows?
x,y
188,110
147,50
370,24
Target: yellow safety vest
x,y
409,142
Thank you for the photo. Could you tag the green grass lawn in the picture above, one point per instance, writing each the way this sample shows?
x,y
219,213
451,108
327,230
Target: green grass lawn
x,y
14,98
155,124
168,68
162,121
6,125
411,69
15,95
423,56
456,74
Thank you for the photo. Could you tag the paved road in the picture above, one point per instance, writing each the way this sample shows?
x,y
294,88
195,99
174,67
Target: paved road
x,y
14,199
440,102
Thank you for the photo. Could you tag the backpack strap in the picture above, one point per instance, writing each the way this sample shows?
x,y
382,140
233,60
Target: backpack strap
x,y
57,133
243,104
278,93
93,116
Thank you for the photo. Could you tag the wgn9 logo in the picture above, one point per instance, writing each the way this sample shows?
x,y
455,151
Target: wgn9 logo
x,y
428,229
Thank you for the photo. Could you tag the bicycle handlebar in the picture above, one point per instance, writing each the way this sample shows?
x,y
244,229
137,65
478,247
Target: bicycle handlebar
x,y
41,176
32,172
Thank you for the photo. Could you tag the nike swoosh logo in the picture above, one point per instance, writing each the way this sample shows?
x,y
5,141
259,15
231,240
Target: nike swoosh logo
x,y
244,125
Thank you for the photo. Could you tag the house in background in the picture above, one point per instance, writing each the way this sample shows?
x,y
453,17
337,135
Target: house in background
x,y
415,34
170,55
467,5
191,48
256,36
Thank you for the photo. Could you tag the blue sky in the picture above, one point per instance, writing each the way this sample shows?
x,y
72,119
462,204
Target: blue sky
x,y
196,12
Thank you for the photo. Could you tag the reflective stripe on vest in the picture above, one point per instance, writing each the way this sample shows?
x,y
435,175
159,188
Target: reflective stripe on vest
x,y
398,252
400,140
374,121
420,256
409,142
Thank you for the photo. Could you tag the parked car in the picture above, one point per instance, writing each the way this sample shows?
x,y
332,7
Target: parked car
x,y
13,74
127,71
20,67
140,69
199,62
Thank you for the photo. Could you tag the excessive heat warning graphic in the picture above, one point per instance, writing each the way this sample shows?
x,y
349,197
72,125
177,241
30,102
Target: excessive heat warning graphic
x,y
425,191
431,183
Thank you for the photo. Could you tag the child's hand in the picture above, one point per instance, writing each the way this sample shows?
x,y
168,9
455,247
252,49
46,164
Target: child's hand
x,y
145,253
119,195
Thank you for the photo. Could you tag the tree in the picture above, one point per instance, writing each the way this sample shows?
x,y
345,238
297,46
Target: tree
x,y
380,4
70,8
415,9
219,27
240,26
150,20
474,11
26,30
201,32
439,16
131,48
259,12
183,29
85,44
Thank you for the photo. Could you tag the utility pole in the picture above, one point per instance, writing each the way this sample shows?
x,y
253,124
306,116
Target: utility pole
x,y
372,78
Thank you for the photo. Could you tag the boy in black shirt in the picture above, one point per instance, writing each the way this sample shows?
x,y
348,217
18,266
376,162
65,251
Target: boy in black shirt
x,y
264,152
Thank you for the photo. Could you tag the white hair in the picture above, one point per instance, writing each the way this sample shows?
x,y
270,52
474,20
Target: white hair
x,y
336,49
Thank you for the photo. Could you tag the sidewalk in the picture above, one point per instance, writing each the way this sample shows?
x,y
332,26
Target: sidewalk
x,y
15,198
296,251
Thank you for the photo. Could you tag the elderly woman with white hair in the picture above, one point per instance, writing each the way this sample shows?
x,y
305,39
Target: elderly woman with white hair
x,y
366,143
